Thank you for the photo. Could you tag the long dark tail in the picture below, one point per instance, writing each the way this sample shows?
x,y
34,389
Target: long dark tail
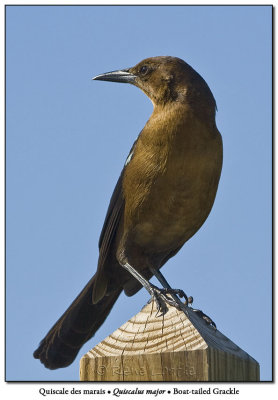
x,y
77,325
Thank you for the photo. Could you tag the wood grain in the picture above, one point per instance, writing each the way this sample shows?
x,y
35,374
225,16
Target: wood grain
x,y
173,347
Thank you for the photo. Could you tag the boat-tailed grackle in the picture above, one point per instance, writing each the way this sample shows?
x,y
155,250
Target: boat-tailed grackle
x,y
163,196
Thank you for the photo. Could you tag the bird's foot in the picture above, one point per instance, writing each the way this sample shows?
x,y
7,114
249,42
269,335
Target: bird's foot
x,y
162,298
205,317
180,293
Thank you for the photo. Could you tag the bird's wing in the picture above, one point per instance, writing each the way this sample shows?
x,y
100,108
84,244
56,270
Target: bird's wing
x,y
108,234
114,211
107,237
113,215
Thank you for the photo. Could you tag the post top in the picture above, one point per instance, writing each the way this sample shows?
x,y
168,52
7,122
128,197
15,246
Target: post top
x,y
146,333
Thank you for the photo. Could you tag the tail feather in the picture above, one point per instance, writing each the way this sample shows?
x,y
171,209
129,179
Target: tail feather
x,y
75,327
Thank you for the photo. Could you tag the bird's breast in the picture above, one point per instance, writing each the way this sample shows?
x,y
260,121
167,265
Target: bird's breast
x,y
170,186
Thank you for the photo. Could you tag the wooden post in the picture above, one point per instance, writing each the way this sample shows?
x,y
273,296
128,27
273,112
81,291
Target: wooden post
x,y
172,347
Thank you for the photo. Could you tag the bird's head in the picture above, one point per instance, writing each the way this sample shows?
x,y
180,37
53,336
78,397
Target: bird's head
x,y
164,79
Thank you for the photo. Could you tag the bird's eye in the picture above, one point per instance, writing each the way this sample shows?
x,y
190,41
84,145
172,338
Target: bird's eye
x,y
144,70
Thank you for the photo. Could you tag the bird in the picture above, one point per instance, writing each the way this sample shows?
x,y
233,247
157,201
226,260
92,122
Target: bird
x,y
163,196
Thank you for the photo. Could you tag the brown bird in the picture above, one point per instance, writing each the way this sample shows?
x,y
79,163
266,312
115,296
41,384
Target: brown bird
x,y
163,196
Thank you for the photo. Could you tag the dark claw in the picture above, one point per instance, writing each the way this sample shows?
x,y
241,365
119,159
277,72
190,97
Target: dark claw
x,y
161,299
160,305
179,292
205,317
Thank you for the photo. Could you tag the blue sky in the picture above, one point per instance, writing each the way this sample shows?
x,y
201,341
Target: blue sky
x,y
67,138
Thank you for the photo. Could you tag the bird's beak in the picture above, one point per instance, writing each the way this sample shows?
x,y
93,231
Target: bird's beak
x,y
117,76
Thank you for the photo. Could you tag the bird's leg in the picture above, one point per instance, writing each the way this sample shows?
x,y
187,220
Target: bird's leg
x,y
157,294
169,290
188,300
